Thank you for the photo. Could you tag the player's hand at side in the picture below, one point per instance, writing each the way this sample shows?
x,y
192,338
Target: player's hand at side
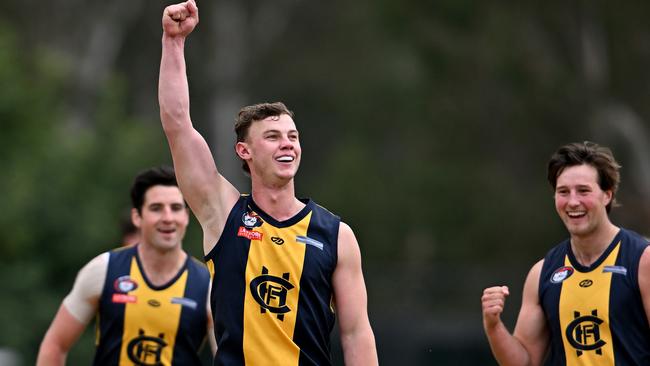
x,y
493,301
180,19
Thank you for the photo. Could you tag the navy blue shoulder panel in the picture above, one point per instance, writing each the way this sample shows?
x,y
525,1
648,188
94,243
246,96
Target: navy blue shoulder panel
x,y
315,317
110,323
553,263
194,317
229,257
629,323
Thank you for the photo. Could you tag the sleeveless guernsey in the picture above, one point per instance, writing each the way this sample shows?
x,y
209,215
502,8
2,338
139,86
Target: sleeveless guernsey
x,y
141,324
595,314
272,286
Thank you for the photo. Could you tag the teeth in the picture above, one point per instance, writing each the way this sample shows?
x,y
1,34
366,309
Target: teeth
x,y
575,214
285,159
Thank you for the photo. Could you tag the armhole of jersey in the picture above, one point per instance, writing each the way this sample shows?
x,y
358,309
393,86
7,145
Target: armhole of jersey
x,y
210,254
83,300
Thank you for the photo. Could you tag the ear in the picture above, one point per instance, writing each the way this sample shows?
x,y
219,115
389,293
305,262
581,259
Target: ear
x,y
242,150
608,196
135,218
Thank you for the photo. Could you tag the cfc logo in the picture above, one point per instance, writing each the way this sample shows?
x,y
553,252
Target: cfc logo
x,y
271,292
583,333
146,350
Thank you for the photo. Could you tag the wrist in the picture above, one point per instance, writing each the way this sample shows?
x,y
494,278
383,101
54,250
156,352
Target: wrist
x,y
174,41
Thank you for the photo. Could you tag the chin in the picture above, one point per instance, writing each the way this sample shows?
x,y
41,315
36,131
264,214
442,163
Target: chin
x,y
286,175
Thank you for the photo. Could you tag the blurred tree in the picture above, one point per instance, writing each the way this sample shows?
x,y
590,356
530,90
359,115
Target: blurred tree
x,y
64,188
425,125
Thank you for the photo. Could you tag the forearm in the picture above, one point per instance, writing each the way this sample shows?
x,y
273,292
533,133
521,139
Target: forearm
x,y
173,90
51,355
359,348
507,349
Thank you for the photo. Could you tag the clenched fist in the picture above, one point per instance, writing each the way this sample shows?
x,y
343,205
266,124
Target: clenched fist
x,y
180,19
493,302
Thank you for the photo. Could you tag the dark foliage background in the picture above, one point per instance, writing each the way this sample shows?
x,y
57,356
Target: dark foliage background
x,y
425,125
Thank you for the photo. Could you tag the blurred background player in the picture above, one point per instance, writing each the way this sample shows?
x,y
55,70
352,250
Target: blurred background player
x,y
130,233
588,301
150,298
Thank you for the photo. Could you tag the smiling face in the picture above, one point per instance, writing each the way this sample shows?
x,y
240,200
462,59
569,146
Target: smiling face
x,y
163,218
579,200
272,149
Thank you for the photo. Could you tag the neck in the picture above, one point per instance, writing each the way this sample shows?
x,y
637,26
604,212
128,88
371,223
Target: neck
x,y
160,266
279,202
588,248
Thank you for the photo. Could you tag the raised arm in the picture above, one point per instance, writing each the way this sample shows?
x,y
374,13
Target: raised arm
x,y
357,338
208,193
74,313
527,345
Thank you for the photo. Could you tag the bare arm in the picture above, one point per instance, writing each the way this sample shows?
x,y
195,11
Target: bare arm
x,y
357,338
74,313
644,281
60,337
527,345
208,193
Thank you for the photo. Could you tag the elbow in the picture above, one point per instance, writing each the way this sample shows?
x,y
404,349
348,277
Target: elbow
x,y
50,354
174,121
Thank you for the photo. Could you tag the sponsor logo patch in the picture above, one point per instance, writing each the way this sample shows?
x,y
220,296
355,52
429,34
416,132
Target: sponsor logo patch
x,y
124,299
184,302
615,269
154,303
561,274
249,234
309,241
586,283
276,240
124,284
251,220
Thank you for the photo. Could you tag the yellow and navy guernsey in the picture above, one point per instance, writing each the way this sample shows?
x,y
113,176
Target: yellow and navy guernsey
x,y
595,314
141,324
272,286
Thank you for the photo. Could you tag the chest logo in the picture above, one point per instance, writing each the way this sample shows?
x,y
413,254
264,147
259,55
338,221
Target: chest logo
x,y
583,333
561,274
586,283
145,350
277,240
270,292
153,302
124,284
249,234
251,220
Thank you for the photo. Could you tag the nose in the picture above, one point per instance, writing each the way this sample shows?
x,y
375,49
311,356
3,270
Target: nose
x,y
167,214
286,143
573,199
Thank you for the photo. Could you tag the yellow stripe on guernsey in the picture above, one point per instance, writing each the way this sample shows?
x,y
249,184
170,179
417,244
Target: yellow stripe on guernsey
x,y
584,315
273,275
151,307
210,265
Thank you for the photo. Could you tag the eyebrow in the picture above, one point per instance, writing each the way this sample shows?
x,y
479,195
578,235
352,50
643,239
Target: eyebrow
x,y
274,130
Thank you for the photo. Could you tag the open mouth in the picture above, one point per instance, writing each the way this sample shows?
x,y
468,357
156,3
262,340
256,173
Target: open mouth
x,y
576,214
285,158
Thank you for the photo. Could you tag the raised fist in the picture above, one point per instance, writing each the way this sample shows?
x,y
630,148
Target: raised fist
x,y
180,19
